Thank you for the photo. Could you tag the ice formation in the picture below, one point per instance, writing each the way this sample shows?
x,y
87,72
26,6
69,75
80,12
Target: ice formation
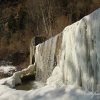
x,y
76,51
45,58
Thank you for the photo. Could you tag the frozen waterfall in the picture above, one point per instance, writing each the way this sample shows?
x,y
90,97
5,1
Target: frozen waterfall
x,y
69,58
46,57
74,55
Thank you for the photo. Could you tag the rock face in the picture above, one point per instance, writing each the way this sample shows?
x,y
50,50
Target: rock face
x,y
75,52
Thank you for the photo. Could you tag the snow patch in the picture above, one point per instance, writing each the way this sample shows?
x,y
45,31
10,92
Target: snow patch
x,y
7,69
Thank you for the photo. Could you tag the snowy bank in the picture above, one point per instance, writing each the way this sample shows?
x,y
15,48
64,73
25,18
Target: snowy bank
x,y
16,77
47,93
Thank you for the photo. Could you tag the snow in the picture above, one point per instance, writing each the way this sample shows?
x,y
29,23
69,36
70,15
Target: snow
x,y
7,69
47,93
16,77
56,78
38,84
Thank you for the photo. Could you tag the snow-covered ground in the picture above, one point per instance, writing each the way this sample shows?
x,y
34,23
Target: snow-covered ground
x,y
7,69
47,93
